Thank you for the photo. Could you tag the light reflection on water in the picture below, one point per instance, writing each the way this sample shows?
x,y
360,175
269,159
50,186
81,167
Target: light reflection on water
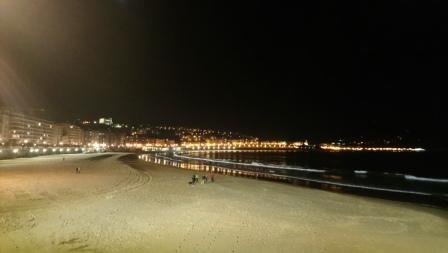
x,y
325,181
208,168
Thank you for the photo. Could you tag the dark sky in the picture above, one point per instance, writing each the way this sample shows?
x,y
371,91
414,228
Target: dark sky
x,y
313,69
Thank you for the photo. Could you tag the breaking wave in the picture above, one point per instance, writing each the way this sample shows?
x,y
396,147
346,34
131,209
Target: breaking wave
x,y
254,164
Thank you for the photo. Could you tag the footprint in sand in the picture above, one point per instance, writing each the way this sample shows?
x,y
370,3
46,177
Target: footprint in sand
x,y
77,244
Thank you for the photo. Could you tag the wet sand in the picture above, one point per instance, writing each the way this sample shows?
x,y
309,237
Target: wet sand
x,y
135,206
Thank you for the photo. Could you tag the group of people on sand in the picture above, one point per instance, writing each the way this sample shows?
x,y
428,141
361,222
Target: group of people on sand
x,y
204,179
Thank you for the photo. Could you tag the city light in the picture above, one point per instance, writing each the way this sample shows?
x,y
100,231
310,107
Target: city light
x,y
373,149
69,137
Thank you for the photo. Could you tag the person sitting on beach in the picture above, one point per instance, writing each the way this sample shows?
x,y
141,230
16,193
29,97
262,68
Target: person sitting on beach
x,y
196,178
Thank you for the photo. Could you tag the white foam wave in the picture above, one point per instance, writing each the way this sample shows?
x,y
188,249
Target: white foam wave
x,y
358,186
334,183
261,165
360,172
426,179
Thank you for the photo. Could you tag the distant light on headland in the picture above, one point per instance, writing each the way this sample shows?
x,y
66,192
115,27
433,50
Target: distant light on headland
x,y
373,149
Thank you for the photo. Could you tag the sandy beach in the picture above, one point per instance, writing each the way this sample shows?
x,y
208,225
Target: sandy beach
x,y
120,204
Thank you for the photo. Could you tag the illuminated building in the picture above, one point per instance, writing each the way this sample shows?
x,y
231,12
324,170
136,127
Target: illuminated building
x,y
68,134
17,128
104,137
113,138
106,121
92,137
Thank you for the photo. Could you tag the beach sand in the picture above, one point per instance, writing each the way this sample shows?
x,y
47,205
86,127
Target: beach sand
x,y
136,206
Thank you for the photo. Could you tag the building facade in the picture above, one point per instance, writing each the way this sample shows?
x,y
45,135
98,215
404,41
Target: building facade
x,y
69,135
106,121
17,128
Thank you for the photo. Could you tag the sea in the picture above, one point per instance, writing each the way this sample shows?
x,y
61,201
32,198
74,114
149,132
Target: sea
x,y
410,176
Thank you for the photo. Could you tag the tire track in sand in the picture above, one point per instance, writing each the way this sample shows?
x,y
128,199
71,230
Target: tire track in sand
x,y
134,179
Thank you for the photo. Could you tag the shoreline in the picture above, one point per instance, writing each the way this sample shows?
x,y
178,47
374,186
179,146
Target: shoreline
x,y
269,172
120,204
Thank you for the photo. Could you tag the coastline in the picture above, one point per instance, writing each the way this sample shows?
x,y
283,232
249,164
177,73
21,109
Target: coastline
x,y
118,205
356,182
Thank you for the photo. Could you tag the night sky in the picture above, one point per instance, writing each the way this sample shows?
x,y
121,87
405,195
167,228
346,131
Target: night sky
x,y
313,69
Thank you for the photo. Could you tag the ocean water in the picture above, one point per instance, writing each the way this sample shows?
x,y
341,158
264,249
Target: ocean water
x,y
424,164
420,177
